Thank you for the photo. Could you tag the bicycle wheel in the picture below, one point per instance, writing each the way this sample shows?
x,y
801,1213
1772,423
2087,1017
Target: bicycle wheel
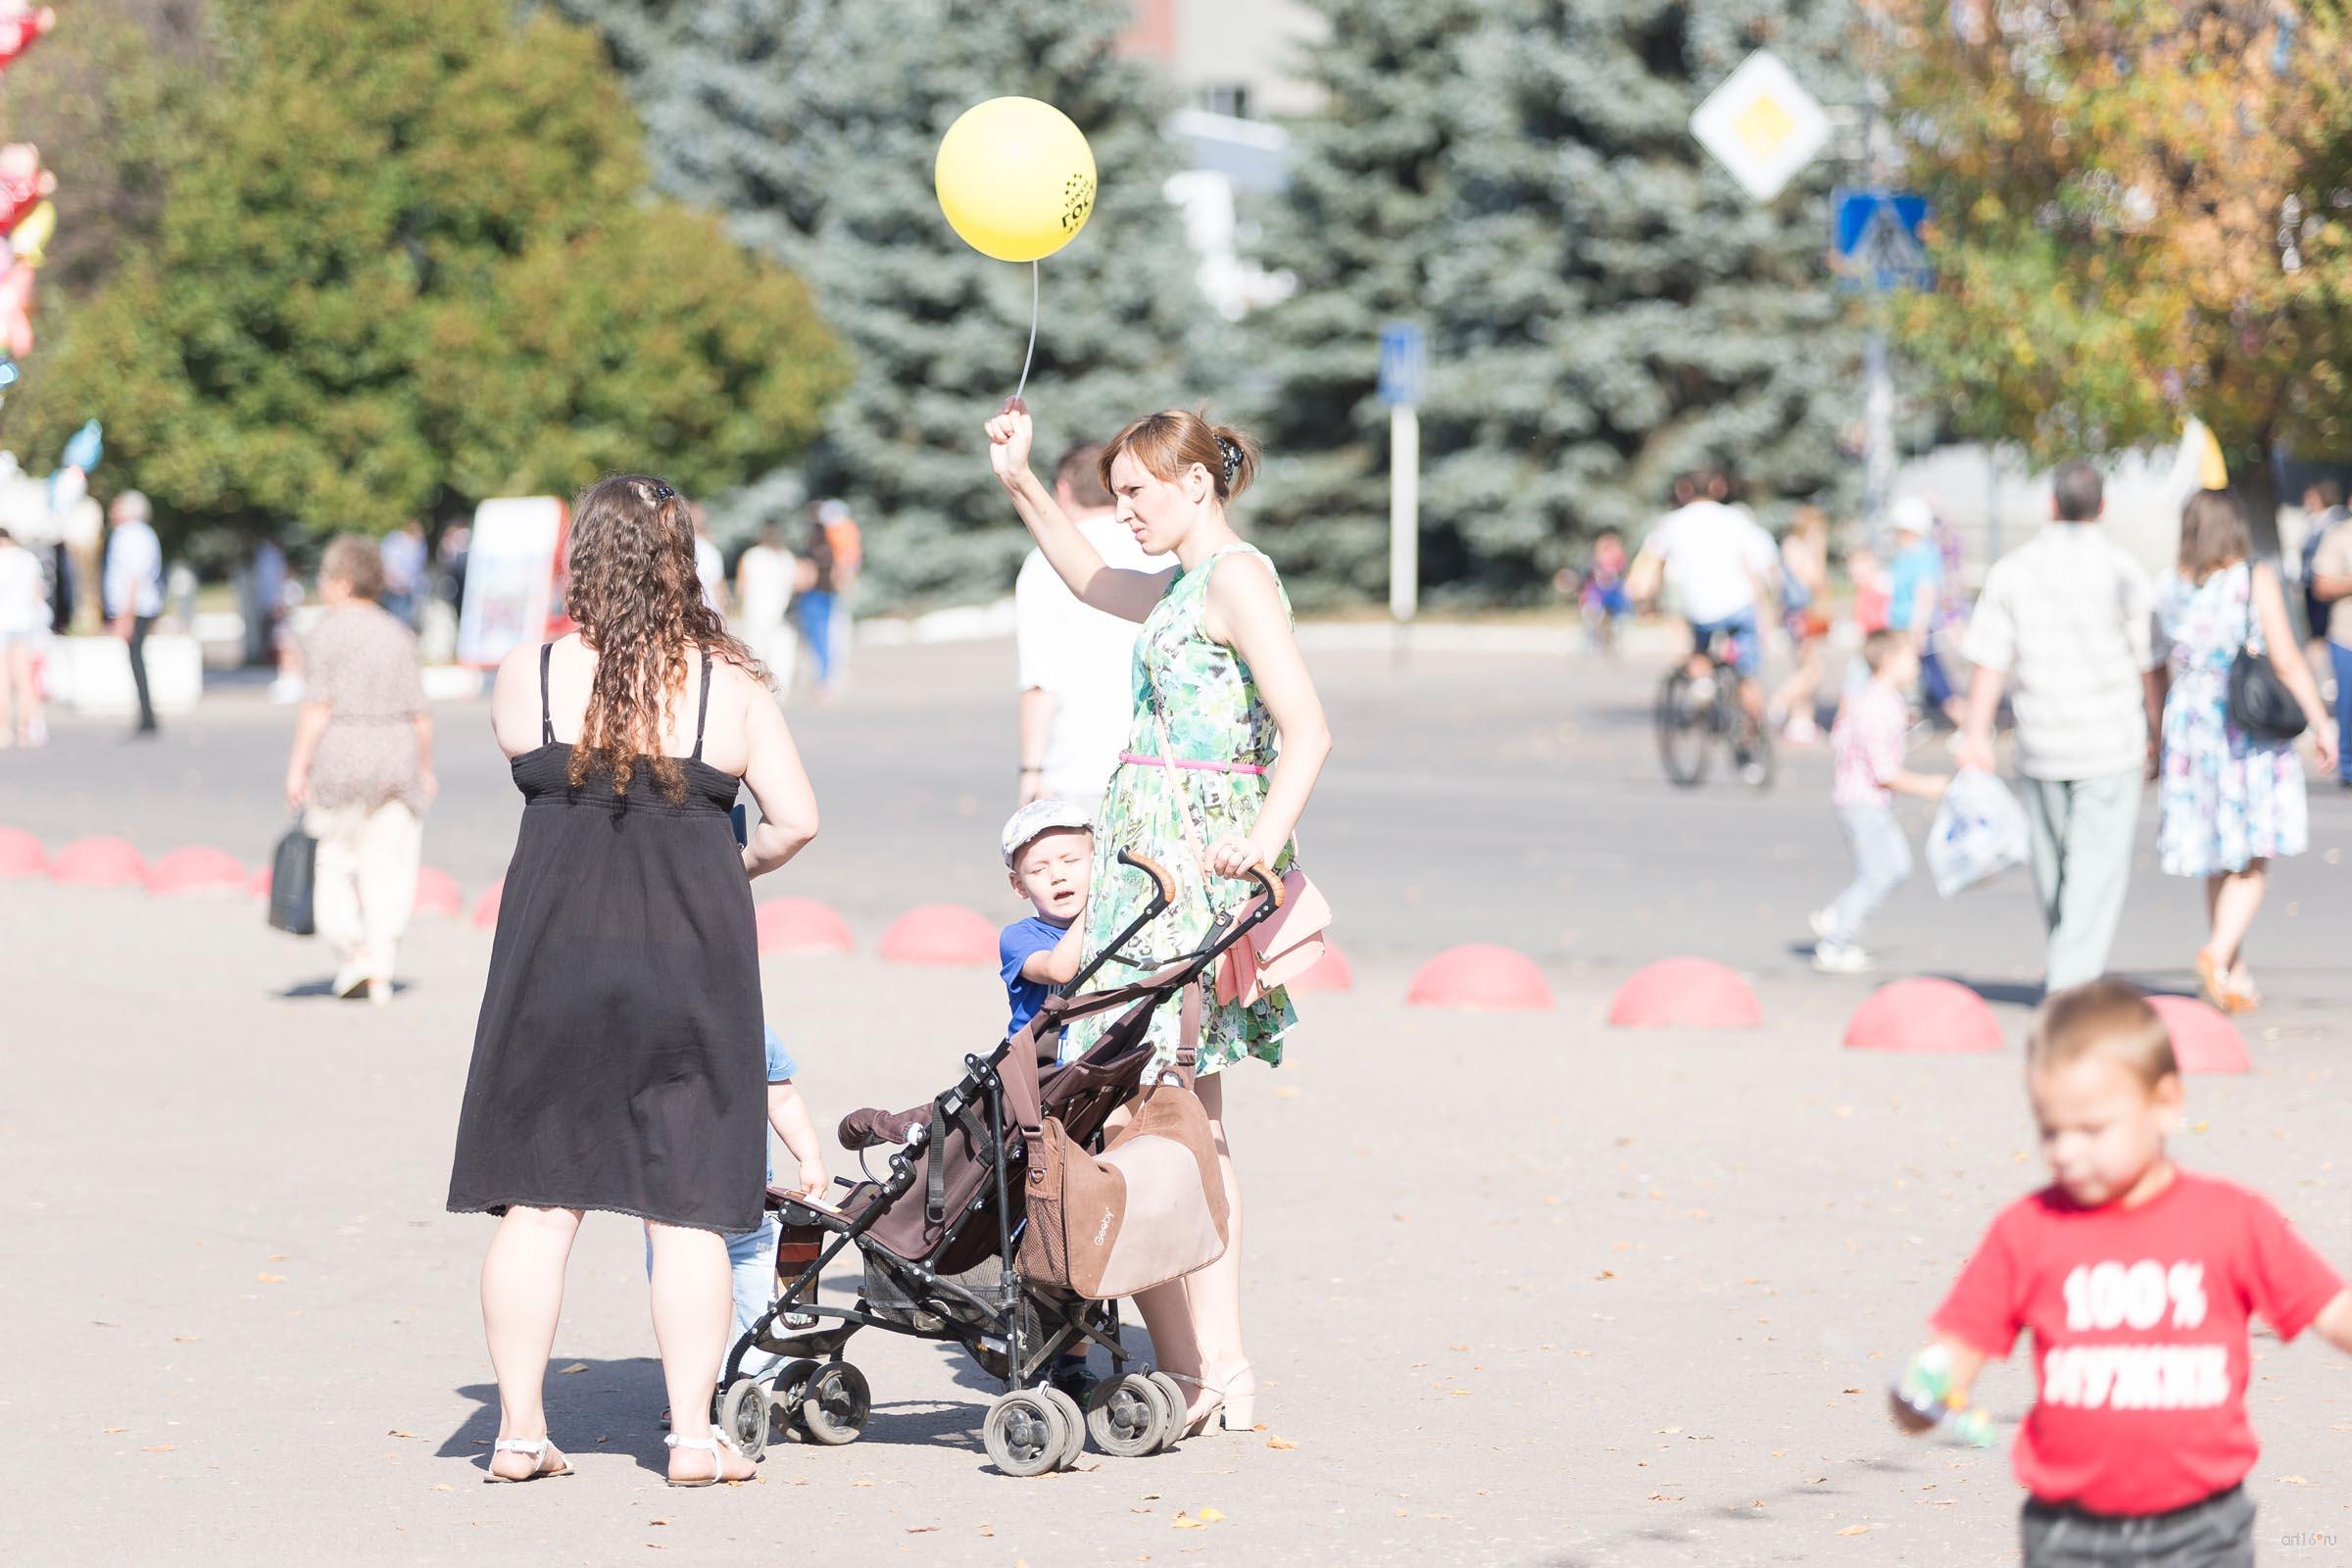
x,y
1686,730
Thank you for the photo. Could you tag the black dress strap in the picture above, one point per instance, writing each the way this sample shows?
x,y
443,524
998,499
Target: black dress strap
x,y
547,719
701,707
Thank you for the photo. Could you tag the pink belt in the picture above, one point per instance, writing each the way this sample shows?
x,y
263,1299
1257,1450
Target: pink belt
x,y
1197,764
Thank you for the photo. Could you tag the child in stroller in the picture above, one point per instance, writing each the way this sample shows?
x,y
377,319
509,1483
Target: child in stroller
x,y
939,1238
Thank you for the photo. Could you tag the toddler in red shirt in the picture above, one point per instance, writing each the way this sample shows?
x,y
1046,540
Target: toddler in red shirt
x,y
2136,1277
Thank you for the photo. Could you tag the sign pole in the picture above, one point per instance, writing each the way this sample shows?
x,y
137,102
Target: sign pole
x,y
1404,511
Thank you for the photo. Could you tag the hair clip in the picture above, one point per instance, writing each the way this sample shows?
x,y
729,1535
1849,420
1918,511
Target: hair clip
x,y
663,492
1232,451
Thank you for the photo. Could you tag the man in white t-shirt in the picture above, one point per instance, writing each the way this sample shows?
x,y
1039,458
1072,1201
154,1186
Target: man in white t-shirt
x,y
1719,563
1077,662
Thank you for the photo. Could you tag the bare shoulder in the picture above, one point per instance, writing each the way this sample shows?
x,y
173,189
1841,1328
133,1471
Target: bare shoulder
x,y
1245,579
515,701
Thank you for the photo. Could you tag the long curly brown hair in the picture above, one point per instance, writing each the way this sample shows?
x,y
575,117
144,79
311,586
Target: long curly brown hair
x,y
640,607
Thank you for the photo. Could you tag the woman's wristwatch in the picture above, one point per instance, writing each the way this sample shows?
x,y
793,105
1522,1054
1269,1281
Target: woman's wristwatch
x,y
1026,771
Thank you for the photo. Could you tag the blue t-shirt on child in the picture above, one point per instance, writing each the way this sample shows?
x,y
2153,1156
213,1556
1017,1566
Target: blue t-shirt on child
x,y
1037,934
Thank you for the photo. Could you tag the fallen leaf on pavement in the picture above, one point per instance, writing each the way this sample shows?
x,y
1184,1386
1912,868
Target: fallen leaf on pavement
x,y
2294,1480
1209,1516
118,1429
657,1521
862,1483
1660,1497
1184,1522
921,1530
576,1366
159,1448
277,1257
1606,1274
1287,1092
270,1279
1855,1529
397,1433
183,1339
1779,1453
1280,1443
442,1485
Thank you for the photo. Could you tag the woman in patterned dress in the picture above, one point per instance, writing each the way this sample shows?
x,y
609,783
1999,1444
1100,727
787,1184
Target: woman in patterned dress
x,y
2227,803
1226,744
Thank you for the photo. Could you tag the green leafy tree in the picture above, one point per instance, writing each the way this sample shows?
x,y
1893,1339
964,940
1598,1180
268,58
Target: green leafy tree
x,y
406,259
2141,216
813,126
1603,305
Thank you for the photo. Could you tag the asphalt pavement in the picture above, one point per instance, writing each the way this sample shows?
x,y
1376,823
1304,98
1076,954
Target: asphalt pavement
x,y
1523,1288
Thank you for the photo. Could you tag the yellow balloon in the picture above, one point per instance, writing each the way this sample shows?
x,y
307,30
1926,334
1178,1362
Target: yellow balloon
x,y
1015,178
31,238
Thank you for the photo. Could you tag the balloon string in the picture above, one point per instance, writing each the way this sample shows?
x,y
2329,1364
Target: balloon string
x,y
1028,357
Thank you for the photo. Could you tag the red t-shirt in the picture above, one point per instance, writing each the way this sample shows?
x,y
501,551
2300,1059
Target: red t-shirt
x,y
2140,1335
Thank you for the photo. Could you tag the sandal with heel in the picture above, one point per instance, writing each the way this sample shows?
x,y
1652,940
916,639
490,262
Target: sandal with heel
x,y
1238,1409
712,1445
537,1449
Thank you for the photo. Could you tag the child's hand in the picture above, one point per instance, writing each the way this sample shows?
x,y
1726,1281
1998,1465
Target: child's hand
x,y
814,1182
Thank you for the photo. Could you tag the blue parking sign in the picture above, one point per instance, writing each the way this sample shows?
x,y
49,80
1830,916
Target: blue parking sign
x,y
1403,363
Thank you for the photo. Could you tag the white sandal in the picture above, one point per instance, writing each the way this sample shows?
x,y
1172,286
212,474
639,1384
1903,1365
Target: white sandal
x,y
1239,1411
711,1445
537,1449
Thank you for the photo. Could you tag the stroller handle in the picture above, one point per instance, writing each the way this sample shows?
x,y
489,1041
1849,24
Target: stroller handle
x,y
1155,871
1267,882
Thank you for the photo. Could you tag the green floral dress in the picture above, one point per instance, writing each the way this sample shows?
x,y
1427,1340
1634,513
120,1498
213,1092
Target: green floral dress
x,y
1204,694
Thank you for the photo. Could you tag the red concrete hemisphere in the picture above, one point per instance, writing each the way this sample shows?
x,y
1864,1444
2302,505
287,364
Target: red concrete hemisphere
x,y
437,891
485,908
98,862
803,925
1332,972
940,933
196,868
1924,1014
1685,994
1479,974
21,855
2204,1040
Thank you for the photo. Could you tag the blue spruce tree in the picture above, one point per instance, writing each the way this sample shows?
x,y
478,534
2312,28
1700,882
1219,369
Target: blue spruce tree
x,y
812,126
1604,305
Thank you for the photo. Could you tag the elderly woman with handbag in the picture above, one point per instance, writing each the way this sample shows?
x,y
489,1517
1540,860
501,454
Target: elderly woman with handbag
x,y
361,770
2230,787
1227,742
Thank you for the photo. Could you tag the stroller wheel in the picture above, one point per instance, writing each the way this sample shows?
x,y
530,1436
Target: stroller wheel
x,y
836,1405
1125,1416
1073,1421
1172,1428
1025,1433
743,1417
790,1388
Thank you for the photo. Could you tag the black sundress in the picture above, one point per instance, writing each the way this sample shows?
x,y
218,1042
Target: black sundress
x,y
618,1063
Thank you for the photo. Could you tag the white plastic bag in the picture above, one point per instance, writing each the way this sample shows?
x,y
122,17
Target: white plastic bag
x,y
1979,829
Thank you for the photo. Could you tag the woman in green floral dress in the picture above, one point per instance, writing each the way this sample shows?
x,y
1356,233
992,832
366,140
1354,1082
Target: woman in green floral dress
x,y
1227,742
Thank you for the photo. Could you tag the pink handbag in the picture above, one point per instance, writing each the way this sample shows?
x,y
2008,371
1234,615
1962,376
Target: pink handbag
x,y
1280,948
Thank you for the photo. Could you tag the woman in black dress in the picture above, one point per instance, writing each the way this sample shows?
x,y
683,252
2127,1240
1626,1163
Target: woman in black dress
x,y
617,1064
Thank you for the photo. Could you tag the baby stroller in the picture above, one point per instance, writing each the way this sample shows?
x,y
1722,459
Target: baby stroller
x,y
940,1237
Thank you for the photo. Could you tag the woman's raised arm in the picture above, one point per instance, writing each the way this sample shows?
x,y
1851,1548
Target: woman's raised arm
x,y
1129,595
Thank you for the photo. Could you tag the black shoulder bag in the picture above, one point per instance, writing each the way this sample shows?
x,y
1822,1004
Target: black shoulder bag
x,y
2259,702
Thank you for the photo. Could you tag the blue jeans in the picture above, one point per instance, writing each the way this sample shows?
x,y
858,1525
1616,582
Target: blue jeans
x,y
1748,655
752,1260
2341,658
814,611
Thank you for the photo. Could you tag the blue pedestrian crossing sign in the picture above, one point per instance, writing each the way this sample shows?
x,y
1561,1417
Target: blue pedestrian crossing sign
x,y
1403,363
1877,240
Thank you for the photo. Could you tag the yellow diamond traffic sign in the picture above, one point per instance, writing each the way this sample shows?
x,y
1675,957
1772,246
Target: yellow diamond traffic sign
x,y
1761,124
